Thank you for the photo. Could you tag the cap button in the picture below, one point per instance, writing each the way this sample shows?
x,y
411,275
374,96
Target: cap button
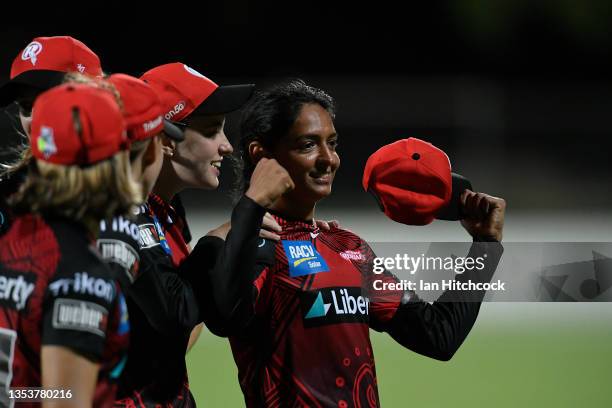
x,y
416,156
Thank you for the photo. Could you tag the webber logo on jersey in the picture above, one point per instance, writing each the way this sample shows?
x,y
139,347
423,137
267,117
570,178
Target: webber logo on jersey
x,y
334,305
121,253
80,315
303,258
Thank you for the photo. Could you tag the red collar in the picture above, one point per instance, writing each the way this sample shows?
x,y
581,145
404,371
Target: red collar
x,y
166,213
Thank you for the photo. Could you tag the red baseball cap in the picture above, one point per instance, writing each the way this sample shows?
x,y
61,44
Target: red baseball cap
x,y
184,92
77,124
42,64
142,109
412,182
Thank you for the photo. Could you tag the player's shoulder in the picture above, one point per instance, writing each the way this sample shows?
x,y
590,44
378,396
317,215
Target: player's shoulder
x,y
88,278
81,272
344,237
266,251
31,245
121,227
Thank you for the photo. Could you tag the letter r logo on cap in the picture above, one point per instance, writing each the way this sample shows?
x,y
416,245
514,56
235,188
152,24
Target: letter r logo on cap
x,y
31,52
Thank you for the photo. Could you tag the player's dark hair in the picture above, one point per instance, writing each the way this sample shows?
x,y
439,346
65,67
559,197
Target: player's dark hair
x,y
269,115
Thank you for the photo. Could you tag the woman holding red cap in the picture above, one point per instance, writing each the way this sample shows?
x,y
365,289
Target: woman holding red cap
x,y
293,341
64,324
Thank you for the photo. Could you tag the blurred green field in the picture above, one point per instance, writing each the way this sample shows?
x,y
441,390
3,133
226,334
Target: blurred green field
x,y
510,366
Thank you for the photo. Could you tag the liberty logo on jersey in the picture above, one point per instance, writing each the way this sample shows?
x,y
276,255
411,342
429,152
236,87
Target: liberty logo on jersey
x,y
334,305
303,258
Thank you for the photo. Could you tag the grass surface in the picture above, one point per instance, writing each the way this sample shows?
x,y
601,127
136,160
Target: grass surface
x,y
513,366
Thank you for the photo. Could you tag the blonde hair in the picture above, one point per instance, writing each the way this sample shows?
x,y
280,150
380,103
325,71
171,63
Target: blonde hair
x,y
84,194
24,156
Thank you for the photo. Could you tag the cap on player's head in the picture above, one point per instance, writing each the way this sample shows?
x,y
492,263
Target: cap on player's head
x,y
77,124
412,182
42,64
142,109
185,92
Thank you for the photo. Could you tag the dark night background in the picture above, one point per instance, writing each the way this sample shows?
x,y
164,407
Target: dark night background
x,y
518,93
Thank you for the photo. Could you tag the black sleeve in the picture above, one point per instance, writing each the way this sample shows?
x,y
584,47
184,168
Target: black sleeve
x,y
221,285
177,204
437,330
78,308
159,291
118,243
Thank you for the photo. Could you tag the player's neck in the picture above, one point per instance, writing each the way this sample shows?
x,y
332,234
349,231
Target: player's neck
x,y
293,210
168,184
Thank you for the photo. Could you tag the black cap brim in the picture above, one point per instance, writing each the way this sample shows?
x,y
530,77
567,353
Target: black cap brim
x,y
173,131
29,83
225,99
452,212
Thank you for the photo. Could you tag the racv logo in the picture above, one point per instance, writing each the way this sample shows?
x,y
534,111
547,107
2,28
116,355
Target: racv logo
x,y
334,305
303,258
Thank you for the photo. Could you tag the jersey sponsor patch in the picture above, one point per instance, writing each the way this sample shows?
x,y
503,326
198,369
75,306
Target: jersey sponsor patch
x,y
334,305
352,255
148,236
83,284
303,258
121,253
72,314
160,234
15,289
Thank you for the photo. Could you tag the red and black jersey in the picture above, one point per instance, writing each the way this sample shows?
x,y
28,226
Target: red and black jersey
x,y
305,341
56,290
173,292
313,313
163,310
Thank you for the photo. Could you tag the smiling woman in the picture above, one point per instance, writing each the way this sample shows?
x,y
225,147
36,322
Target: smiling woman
x,y
308,153
196,162
301,336
300,134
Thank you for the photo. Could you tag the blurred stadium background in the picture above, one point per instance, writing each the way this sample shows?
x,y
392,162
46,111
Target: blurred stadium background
x,y
517,92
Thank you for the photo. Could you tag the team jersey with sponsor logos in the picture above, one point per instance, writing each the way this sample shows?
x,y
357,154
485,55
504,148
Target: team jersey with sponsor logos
x,y
303,339
309,345
173,292
56,290
162,307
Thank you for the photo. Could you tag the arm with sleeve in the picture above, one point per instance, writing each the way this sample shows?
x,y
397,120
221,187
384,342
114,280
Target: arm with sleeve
x,y
438,329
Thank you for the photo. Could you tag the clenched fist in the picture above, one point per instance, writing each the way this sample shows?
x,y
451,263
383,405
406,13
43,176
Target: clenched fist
x,y
269,181
483,215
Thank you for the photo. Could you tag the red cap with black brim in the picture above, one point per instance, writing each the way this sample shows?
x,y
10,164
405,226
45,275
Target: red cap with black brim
x,y
185,92
43,63
411,181
225,99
